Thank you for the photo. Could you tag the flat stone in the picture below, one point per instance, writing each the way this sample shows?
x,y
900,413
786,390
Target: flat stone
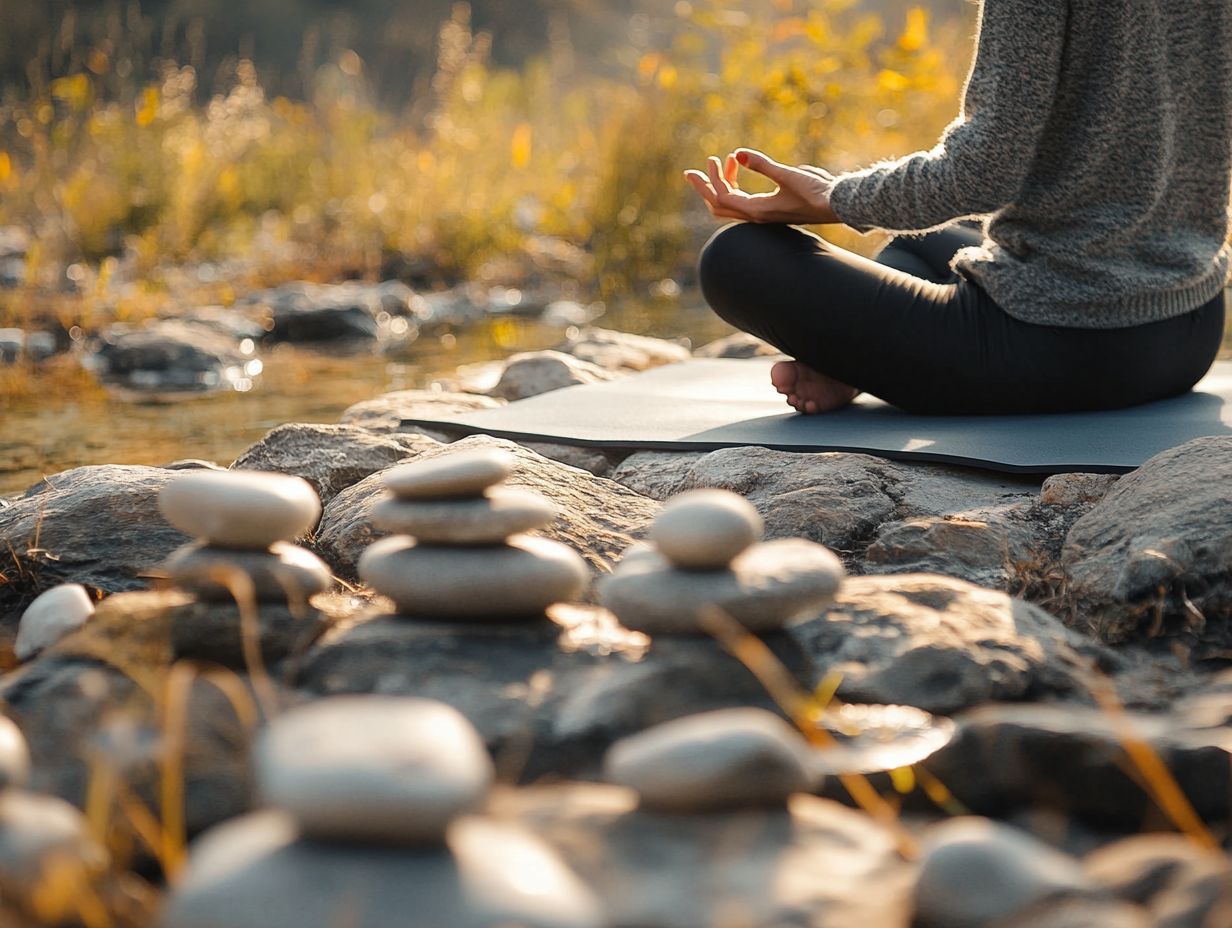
x,y
730,758
449,475
14,756
766,587
977,872
256,872
373,769
51,616
38,835
520,578
240,509
490,519
284,573
706,529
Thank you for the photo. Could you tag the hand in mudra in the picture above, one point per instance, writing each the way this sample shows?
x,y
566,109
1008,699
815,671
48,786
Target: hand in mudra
x,y
802,197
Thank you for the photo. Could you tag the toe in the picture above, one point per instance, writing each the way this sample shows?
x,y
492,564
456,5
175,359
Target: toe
x,y
784,376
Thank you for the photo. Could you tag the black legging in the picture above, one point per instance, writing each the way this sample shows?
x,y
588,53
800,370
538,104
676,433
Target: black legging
x,y
907,329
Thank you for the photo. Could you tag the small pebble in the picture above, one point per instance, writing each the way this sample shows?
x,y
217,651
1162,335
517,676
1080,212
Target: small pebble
x,y
454,475
706,529
249,510
373,769
51,616
14,756
731,758
490,519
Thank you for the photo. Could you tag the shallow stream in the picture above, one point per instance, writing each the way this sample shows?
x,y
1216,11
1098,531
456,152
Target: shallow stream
x,y
47,434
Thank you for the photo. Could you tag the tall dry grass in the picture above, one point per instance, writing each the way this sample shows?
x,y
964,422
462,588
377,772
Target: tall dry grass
x,y
100,167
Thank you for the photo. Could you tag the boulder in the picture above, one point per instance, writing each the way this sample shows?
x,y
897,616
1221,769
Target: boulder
x,y
171,359
315,313
385,413
536,372
1182,884
1154,555
330,457
738,345
599,518
940,644
546,697
623,352
835,498
984,547
99,526
1072,759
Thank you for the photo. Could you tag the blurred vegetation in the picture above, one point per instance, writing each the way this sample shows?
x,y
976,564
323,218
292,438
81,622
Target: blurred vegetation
x,y
486,161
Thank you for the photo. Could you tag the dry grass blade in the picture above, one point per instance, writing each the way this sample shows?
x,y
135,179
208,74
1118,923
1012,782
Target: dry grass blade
x,y
801,709
174,833
1156,778
241,588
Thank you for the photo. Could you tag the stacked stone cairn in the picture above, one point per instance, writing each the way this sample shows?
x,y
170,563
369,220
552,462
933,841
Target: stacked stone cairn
x,y
721,760
44,842
458,551
706,553
372,822
245,523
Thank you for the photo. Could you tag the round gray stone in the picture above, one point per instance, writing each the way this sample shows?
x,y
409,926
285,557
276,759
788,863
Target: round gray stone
x,y
372,769
520,578
51,616
14,755
42,834
284,573
490,519
460,474
255,872
249,510
978,872
706,529
731,758
766,587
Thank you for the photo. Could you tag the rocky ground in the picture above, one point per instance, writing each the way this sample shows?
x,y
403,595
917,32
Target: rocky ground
x,y
1056,647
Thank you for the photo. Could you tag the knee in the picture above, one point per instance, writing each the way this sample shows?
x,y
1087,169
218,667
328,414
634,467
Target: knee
x,y
733,267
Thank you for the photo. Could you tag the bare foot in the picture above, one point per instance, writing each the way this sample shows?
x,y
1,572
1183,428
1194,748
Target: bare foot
x,y
808,391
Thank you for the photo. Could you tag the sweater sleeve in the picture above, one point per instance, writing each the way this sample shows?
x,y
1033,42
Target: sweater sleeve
x,y
982,159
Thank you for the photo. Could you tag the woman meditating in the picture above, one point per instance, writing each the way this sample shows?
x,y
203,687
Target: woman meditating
x,y
1095,143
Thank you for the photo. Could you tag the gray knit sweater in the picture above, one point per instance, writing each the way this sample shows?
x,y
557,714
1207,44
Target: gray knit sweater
x,y
1096,137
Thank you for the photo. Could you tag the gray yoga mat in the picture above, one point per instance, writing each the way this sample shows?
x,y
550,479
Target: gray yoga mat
x,y
710,404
